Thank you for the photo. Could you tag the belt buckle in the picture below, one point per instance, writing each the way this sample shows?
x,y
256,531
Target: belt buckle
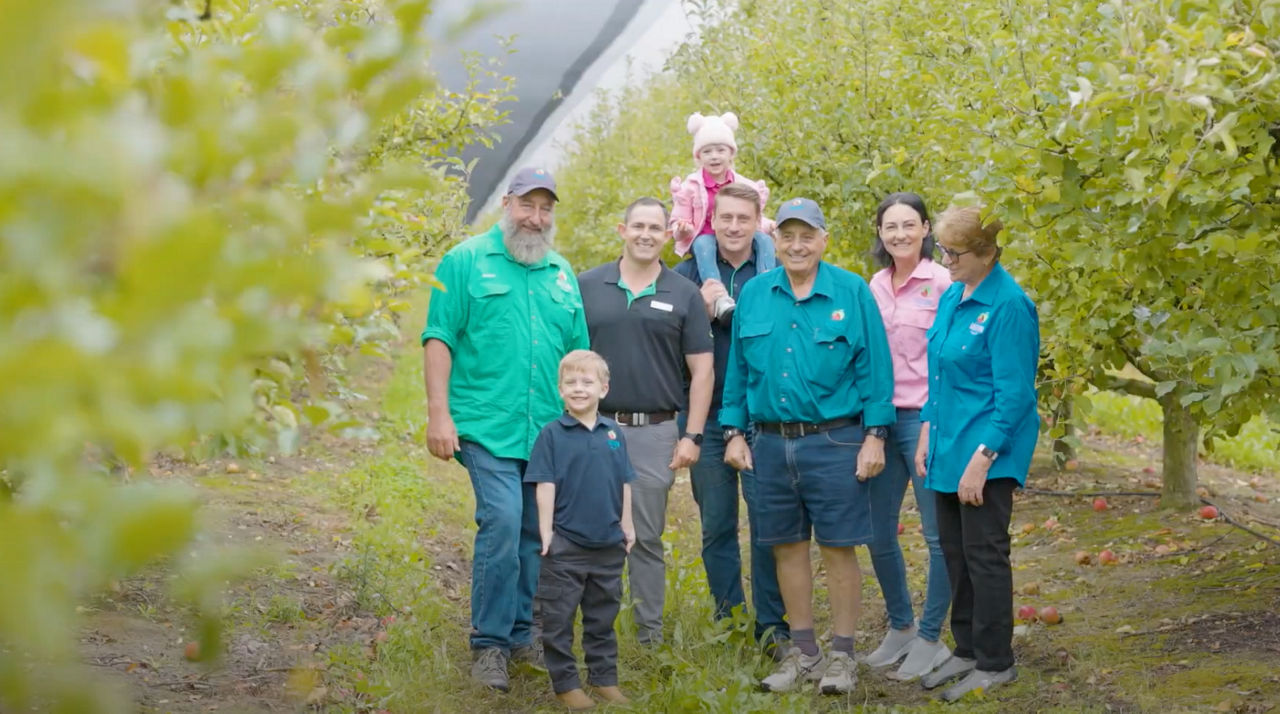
x,y
791,430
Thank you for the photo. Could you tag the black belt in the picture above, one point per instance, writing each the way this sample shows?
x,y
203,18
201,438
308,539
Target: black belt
x,y
641,418
795,429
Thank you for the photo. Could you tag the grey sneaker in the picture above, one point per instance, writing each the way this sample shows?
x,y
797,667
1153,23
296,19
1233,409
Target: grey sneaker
x,y
950,669
923,657
979,680
841,674
530,655
723,307
893,647
794,669
490,668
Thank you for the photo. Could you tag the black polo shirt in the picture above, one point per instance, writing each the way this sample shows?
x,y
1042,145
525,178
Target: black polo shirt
x,y
733,279
645,340
588,467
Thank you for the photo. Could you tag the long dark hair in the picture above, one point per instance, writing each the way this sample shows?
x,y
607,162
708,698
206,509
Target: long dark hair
x,y
915,203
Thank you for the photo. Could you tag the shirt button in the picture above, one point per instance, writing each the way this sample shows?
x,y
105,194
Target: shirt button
x,y
783,399
793,325
784,374
788,349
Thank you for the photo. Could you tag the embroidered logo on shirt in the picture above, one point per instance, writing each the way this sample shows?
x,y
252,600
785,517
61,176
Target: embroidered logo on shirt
x,y
562,282
612,434
838,315
982,317
924,292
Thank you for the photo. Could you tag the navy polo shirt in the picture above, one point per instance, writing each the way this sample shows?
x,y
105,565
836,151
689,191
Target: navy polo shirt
x,y
588,467
644,337
733,279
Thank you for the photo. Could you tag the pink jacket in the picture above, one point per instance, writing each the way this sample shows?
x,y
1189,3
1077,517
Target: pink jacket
x,y
689,203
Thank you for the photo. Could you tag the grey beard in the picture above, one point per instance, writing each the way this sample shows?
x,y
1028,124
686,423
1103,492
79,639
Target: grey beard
x,y
525,246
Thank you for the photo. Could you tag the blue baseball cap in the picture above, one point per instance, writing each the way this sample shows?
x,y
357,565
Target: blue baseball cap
x,y
531,178
801,209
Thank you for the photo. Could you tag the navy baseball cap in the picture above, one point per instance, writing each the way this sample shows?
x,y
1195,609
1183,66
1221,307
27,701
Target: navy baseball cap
x,y
531,178
801,209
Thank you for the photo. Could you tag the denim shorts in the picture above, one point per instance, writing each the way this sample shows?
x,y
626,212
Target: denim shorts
x,y
806,486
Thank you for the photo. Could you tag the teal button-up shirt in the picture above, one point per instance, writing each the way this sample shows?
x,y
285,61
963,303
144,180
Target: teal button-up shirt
x,y
507,326
814,359
983,353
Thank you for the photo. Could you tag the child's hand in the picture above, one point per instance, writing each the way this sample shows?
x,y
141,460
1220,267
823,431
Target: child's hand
x,y
682,229
546,541
628,536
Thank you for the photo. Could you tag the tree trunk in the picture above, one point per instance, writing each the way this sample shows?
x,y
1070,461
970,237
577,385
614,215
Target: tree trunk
x,y
1181,439
1064,448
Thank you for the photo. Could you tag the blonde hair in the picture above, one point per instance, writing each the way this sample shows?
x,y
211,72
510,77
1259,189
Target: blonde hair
x,y
579,361
962,227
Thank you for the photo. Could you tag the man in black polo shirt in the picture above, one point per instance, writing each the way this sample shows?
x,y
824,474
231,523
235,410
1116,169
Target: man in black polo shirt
x,y
734,216
650,326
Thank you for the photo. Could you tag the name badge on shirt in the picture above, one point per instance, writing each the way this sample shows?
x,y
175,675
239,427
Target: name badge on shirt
x,y
659,305
976,329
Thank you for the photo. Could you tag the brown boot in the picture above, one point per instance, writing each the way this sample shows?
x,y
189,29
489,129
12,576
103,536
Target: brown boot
x,y
613,695
576,700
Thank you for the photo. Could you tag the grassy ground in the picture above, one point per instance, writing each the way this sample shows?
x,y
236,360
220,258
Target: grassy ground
x,y
363,606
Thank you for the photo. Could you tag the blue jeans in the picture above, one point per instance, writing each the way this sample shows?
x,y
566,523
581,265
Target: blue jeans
x,y
887,491
704,254
504,569
715,489
806,487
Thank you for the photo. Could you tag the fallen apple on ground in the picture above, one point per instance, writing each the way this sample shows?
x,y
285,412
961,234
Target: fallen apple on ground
x,y
1049,615
1083,557
1099,504
1106,557
1209,513
191,651
1027,613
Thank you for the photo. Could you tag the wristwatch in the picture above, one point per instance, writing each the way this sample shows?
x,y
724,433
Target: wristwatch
x,y
987,452
879,432
732,432
695,438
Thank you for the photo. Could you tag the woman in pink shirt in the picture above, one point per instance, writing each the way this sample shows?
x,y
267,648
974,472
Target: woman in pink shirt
x,y
907,290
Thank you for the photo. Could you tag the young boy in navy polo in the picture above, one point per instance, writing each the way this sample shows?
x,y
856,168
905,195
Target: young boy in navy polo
x,y
580,465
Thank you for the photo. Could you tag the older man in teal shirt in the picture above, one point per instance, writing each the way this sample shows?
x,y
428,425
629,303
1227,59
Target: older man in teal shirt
x,y
809,368
506,310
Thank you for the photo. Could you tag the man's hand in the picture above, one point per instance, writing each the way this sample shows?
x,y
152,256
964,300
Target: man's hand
x,y
738,454
870,458
442,436
547,535
922,450
685,455
712,290
628,535
974,478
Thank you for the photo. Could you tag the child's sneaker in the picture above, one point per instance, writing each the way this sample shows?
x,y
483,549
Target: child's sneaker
x,y
723,307
795,668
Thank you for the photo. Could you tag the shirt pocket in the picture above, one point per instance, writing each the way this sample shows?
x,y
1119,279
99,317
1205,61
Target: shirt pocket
x,y
911,335
753,338
832,355
492,307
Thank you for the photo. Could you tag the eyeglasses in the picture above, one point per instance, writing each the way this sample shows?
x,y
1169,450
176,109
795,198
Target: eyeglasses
x,y
944,252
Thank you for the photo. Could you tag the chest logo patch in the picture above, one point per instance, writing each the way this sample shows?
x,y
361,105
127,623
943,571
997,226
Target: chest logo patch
x,y
613,435
982,317
838,315
924,292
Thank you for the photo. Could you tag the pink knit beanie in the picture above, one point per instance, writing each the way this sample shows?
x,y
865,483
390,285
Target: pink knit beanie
x,y
713,130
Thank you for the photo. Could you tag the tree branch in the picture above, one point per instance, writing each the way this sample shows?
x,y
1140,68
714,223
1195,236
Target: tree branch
x,y
1124,384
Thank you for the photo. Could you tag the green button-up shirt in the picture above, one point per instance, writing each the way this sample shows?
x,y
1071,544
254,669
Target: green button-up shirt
x,y
814,359
982,381
507,326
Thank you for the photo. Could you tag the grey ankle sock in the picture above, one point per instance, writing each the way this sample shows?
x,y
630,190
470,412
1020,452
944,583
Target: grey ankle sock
x,y
804,640
842,644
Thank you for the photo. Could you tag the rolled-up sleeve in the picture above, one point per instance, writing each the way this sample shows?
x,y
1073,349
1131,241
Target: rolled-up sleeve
x,y
873,366
447,308
1015,337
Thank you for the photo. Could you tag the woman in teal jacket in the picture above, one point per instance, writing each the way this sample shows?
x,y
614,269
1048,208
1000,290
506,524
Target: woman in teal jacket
x,y
976,446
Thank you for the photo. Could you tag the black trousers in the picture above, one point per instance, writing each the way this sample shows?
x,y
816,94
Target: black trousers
x,y
590,578
975,543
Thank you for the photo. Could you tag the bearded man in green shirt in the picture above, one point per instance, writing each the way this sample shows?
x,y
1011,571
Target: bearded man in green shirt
x,y
506,310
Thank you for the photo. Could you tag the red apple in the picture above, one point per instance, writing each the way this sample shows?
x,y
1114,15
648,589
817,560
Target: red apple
x,y
1027,613
1049,615
1106,557
192,651
901,528
1083,557
1099,504
1148,469
1209,513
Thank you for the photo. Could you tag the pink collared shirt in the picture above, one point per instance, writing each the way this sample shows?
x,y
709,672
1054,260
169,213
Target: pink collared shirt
x,y
908,313
712,189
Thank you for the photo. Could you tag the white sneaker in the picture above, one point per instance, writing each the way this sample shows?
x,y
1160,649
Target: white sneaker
x,y
979,681
947,671
795,667
723,306
923,657
894,647
841,674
